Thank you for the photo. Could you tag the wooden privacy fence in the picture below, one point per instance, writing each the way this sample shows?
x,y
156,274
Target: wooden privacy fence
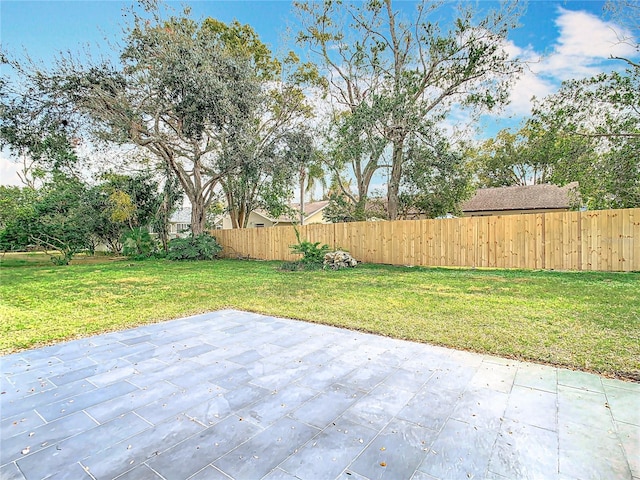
x,y
605,240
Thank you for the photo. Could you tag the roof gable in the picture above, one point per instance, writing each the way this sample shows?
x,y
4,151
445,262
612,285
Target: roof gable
x,y
310,208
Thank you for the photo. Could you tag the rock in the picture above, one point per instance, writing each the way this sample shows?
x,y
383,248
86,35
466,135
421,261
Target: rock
x,y
339,259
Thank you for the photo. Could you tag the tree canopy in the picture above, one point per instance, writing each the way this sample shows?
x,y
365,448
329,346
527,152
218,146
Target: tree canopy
x,y
263,176
600,116
36,135
179,92
398,77
207,100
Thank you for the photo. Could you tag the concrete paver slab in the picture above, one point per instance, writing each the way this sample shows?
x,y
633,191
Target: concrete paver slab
x,y
460,450
237,395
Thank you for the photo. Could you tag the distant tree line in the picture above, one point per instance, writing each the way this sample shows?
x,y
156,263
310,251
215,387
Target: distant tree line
x,y
65,216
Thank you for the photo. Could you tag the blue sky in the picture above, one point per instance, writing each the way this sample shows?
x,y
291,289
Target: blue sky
x,y
561,39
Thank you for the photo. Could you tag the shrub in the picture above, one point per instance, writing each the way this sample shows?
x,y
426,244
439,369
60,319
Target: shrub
x,y
200,247
62,260
138,244
312,253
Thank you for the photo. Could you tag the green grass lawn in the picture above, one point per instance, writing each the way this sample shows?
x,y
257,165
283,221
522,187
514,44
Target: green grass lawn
x,y
588,321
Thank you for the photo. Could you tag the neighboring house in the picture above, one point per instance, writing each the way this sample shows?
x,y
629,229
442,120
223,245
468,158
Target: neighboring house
x,y
180,223
260,218
312,213
521,199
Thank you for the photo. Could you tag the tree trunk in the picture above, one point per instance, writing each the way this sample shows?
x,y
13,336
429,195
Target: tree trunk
x,y
394,182
239,217
164,216
302,179
243,217
234,215
198,216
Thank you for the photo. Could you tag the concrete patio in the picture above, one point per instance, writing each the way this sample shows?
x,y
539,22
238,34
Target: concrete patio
x,y
244,396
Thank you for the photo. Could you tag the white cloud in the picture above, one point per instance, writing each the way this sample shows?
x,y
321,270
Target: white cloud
x,y
8,171
583,49
529,85
585,35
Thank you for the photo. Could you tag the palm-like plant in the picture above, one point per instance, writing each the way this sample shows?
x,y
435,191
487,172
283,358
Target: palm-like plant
x,y
309,166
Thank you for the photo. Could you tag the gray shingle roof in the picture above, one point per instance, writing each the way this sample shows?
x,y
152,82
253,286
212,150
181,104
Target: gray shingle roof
x,y
529,197
182,215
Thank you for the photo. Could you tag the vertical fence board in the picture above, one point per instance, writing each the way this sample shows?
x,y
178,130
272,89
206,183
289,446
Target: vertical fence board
x,y
518,248
439,243
625,260
593,237
446,240
482,242
553,241
455,245
397,242
425,243
539,240
574,241
584,242
615,240
491,241
509,255
530,239
500,232
634,249
603,240
589,239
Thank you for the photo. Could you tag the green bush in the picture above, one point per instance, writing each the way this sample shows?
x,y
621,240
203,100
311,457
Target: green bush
x,y
312,253
138,244
201,247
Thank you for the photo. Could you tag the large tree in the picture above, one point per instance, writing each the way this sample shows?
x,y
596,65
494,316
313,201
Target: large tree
x,y
398,75
178,91
597,120
264,180
264,175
